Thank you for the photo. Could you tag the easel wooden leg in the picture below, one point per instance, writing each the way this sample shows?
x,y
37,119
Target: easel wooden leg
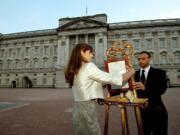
x,y
126,118
138,120
124,121
107,108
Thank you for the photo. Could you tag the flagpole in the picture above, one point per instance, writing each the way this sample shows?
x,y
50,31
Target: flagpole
x,y
86,10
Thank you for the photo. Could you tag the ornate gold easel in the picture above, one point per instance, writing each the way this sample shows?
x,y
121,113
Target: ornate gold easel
x,y
125,51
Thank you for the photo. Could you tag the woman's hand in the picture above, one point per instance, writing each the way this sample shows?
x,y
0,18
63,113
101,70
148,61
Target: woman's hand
x,y
130,72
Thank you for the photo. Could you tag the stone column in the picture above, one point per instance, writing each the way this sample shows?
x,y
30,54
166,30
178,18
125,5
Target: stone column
x,y
100,48
63,56
178,40
86,38
76,39
155,47
67,48
169,47
63,51
59,53
105,45
96,48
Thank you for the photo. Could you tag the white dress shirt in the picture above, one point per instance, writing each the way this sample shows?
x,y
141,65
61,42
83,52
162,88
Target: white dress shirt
x,y
88,82
146,71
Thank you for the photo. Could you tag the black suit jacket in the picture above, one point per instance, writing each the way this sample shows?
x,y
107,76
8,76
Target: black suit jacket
x,y
155,86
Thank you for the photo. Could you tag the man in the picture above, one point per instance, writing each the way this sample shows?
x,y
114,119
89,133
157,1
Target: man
x,y
151,83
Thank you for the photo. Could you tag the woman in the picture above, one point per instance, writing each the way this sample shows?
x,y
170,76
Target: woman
x,y
86,80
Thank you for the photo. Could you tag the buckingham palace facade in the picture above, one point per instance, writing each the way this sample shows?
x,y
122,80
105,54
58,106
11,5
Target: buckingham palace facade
x,y
38,58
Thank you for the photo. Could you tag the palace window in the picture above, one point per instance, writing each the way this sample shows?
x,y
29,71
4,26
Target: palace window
x,y
163,58
44,81
136,43
178,75
26,62
14,52
134,58
7,81
149,43
51,40
1,65
27,51
91,40
46,50
81,38
6,53
23,43
117,36
17,65
100,41
36,48
63,43
162,43
152,57
45,63
55,50
42,42
17,81
36,63
32,42
10,52
18,51
72,40
174,42
54,61
2,53
53,81
9,64
177,57
178,78
34,81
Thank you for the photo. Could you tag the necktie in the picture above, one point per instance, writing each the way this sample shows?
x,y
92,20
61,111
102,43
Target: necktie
x,y
143,77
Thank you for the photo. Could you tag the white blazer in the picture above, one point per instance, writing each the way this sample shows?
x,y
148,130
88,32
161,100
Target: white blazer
x,y
87,83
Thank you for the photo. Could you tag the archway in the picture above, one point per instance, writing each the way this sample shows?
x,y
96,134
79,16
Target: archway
x,y
13,84
27,83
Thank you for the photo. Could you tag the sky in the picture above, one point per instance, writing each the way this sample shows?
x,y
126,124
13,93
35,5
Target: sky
x,y
28,15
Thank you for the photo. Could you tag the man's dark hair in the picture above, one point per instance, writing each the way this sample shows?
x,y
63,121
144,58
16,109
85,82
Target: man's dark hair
x,y
142,52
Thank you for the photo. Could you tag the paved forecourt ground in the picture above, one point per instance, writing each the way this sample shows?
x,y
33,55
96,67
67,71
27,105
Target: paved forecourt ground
x,y
48,112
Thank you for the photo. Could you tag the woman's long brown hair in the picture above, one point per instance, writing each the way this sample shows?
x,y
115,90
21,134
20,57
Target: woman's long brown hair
x,y
75,62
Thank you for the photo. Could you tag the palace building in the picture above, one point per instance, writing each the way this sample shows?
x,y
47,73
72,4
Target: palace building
x,y
37,58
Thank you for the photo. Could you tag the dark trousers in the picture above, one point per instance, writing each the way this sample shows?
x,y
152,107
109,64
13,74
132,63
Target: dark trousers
x,y
155,120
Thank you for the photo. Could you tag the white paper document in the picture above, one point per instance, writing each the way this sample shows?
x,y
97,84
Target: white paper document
x,y
117,68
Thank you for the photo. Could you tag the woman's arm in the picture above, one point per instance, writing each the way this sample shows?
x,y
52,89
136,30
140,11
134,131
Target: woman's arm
x,y
100,76
128,74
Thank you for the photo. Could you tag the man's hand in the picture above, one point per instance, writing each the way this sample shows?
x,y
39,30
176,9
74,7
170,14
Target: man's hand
x,y
139,86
